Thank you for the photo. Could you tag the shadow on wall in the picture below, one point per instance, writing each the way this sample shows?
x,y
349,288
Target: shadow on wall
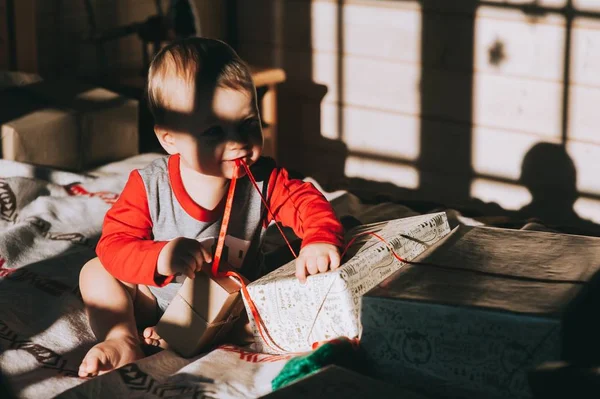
x,y
460,101
550,175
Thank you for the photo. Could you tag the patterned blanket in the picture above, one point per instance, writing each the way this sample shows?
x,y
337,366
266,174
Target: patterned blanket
x,y
50,222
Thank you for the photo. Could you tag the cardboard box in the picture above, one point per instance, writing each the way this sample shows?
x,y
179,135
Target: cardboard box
x,y
337,382
80,126
297,315
108,121
201,314
47,137
486,308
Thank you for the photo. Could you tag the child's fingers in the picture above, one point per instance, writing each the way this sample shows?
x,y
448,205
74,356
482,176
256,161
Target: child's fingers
x,y
198,260
190,269
186,265
322,263
301,269
207,255
334,258
311,265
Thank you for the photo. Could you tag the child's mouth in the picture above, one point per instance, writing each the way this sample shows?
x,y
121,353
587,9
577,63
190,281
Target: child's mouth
x,y
238,161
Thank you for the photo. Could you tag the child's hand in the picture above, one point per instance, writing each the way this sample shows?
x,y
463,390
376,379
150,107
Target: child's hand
x,y
317,258
182,255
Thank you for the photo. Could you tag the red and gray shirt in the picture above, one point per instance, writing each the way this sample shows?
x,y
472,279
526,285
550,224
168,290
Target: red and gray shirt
x,y
155,208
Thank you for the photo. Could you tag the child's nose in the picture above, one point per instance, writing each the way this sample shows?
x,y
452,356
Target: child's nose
x,y
234,147
237,135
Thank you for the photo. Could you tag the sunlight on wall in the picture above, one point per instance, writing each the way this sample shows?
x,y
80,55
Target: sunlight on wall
x,y
373,98
500,153
375,132
517,96
588,208
584,118
379,32
547,3
505,43
518,72
400,175
587,5
378,84
585,51
586,157
373,79
508,196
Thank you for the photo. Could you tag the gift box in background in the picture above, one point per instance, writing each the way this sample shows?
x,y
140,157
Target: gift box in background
x,y
67,124
485,307
32,130
327,306
47,136
338,382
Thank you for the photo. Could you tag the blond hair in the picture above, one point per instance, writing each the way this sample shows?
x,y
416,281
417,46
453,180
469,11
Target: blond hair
x,y
200,62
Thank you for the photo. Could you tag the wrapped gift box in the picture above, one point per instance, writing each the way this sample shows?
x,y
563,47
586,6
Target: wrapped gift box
x,y
485,307
67,124
327,306
201,314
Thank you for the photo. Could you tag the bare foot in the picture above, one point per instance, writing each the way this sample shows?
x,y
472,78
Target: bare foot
x,y
109,355
153,339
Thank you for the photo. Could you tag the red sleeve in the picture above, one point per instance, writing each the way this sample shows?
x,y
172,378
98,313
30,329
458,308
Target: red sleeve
x,y
127,249
302,207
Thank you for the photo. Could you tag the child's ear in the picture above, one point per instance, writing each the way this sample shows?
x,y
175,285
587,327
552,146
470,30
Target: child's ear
x,y
165,138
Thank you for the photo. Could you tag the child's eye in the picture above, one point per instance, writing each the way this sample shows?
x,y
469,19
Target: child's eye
x,y
250,124
214,131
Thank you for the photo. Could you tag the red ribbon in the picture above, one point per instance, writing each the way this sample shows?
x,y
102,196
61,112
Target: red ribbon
x,y
258,321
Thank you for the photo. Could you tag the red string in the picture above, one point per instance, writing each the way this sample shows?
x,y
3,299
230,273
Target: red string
x,y
264,201
219,251
225,222
380,239
258,321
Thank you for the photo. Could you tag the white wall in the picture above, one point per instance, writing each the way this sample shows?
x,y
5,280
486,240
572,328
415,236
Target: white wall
x,y
444,101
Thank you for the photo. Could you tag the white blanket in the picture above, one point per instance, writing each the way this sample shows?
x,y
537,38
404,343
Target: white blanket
x,y
50,222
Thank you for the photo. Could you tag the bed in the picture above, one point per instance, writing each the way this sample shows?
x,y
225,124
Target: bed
x,y
50,221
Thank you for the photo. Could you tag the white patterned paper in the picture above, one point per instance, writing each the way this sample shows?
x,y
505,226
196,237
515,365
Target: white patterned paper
x,y
297,315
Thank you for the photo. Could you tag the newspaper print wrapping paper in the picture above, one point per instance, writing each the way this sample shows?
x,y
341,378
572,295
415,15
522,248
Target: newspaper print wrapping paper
x,y
297,315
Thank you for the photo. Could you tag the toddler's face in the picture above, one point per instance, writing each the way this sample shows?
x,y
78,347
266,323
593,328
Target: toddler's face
x,y
223,128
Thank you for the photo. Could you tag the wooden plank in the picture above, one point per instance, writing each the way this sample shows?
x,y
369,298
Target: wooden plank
x,y
540,3
584,118
585,50
494,152
373,131
398,174
587,5
517,104
498,101
315,26
506,41
517,47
